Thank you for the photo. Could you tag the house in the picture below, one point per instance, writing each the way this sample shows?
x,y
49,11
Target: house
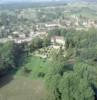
x,y
31,34
40,34
51,25
58,41
22,35
43,34
19,41
15,33
10,37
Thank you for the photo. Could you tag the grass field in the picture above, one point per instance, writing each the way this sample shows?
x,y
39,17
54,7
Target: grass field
x,y
22,88
36,65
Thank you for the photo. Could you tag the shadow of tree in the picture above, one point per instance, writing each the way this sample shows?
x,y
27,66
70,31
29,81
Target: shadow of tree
x,y
7,75
5,80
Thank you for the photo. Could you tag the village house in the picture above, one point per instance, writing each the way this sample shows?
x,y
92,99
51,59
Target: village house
x,y
31,34
58,41
22,36
19,41
10,37
43,34
52,25
15,33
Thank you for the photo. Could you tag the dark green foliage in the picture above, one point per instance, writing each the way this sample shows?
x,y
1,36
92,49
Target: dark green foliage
x,y
72,85
46,41
41,74
6,56
12,56
38,43
20,53
53,76
52,82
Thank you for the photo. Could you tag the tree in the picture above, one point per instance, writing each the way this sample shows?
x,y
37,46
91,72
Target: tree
x,y
54,75
6,56
20,53
36,44
65,87
46,41
74,88
71,85
52,87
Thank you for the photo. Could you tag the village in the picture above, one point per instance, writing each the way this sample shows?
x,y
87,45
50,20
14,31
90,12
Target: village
x,y
40,25
23,25
41,29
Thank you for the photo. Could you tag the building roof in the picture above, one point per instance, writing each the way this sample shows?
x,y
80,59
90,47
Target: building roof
x,y
58,37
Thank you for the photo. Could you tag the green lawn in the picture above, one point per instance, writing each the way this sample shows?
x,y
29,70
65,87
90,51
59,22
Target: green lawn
x,y
37,66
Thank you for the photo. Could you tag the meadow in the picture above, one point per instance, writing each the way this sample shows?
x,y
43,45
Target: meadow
x,y
37,67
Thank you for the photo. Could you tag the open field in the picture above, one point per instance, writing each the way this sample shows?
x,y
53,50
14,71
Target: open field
x,y
22,88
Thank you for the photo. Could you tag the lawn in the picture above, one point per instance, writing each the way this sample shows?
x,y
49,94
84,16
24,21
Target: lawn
x,y
37,66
